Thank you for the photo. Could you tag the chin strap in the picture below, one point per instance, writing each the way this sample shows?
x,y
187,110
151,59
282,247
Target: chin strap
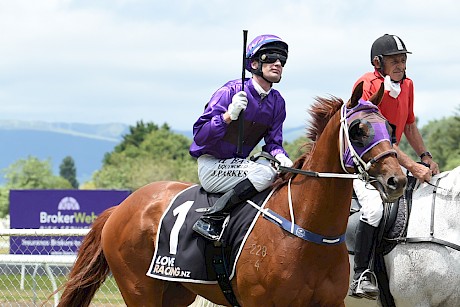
x,y
259,72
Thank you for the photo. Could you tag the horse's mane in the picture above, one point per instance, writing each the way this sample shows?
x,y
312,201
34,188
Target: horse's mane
x,y
321,111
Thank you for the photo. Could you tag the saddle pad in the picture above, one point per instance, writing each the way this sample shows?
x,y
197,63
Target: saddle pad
x,y
394,227
181,253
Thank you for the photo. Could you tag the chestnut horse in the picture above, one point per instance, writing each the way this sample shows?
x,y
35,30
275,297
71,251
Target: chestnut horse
x,y
288,271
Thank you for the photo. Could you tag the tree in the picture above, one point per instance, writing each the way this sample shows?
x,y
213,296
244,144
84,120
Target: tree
x,y
4,201
296,148
68,171
443,139
136,135
30,173
160,155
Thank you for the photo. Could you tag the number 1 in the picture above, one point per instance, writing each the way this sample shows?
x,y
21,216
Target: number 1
x,y
181,212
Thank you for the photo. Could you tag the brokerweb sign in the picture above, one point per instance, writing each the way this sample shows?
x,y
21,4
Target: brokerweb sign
x,y
56,209
64,215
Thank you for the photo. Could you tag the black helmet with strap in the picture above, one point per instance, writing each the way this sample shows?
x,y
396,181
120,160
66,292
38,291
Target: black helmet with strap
x,y
387,45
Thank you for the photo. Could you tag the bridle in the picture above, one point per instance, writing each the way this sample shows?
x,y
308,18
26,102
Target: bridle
x,y
345,143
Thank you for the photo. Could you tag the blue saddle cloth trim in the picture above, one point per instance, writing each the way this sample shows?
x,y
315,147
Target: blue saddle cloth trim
x,y
302,233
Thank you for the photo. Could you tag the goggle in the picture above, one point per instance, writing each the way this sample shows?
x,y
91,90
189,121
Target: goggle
x,y
272,58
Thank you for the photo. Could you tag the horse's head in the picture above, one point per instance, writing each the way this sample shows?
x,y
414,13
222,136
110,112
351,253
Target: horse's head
x,y
367,145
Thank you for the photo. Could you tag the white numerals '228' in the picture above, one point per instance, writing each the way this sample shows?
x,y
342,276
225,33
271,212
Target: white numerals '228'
x,y
181,212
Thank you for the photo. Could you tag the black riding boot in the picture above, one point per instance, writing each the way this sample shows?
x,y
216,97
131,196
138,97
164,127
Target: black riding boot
x,y
364,283
210,224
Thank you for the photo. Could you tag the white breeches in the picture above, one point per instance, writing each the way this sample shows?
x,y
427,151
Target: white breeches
x,y
371,202
219,176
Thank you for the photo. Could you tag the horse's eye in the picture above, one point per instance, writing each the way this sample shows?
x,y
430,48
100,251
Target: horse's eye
x,y
361,133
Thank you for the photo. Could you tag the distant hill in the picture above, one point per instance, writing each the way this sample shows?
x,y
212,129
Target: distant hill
x,y
85,143
108,132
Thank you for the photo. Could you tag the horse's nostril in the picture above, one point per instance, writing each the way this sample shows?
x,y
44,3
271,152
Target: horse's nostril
x,y
392,183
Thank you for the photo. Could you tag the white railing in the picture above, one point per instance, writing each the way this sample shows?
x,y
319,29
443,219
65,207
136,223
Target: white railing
x,y
35,287
32,288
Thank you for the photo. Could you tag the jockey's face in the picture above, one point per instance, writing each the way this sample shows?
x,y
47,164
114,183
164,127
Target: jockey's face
x,y
271,71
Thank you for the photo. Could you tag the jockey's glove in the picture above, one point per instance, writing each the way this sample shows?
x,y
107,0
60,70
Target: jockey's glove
x,y
239,103
284,161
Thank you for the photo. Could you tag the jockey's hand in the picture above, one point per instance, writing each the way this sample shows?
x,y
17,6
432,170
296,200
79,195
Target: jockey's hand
x,y
284,161
421,172
239,103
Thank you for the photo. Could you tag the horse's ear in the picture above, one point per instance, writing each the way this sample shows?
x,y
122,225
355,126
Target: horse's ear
x,y
377,97
357,94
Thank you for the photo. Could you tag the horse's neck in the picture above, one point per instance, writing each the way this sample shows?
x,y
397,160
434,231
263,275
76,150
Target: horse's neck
x,y
323,204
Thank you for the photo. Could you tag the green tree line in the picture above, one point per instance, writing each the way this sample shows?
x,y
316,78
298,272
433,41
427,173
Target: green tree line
x,y
149,152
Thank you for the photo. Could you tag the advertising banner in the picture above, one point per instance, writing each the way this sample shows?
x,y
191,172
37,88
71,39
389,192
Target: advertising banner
x,y
56,209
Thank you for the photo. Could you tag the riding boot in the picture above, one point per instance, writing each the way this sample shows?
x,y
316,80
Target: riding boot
x,y
364,283
210,224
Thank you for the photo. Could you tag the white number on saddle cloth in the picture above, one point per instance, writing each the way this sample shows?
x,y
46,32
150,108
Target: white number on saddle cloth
x,y
181,212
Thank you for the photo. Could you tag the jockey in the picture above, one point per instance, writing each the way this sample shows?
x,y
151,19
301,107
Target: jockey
x,y
215,134
388,56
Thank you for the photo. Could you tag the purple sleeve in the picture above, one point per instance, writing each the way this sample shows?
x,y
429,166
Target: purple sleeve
x,y
211,127
274,138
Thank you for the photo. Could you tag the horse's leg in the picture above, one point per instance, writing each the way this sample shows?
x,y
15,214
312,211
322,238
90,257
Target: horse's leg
x,y
129,272
176,295
128,246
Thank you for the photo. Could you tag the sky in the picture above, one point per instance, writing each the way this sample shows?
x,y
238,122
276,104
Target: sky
x,y
122,61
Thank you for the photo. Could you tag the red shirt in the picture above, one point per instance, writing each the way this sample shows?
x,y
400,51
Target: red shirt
x,y
398,111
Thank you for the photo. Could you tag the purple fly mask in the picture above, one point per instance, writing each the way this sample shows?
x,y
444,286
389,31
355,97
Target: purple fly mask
x,y
364,117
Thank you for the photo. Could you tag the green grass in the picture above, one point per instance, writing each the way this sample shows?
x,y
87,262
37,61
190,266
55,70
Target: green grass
x,y
37,291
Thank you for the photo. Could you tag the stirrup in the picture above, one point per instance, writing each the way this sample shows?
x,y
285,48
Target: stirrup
x,y
203,228
355,287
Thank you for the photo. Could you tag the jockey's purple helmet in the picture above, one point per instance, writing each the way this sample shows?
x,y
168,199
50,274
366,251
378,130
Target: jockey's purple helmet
x,y
264,42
